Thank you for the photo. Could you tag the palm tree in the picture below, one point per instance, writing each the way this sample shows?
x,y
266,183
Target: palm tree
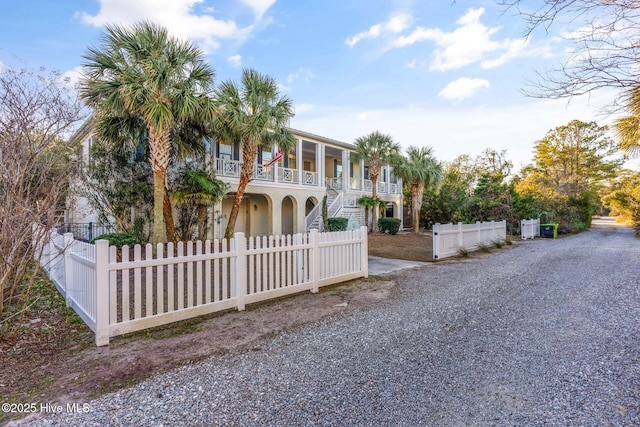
x,y
141,72
628,128
420,170
201,189
377,148
368,202
255,114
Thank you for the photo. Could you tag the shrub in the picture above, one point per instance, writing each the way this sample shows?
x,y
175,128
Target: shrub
x,y
118,239
338,224
392,225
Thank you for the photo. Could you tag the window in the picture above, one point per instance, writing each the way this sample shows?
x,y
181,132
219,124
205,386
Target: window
x,y
266,157
225,151
337,169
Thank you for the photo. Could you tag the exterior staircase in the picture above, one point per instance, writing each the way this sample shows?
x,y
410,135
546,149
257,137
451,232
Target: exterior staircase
x,y
335,208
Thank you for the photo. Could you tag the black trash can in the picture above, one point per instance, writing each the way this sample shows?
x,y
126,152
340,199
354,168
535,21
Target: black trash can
x,y
549,231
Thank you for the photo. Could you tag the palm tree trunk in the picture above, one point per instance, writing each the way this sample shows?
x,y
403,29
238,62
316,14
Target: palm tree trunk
x,y
158,205
159,157
168,217
249,155
374,196
201,214
366,217
415,208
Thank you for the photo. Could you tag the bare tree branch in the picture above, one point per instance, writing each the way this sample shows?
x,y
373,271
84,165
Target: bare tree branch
x,y
37,114
605,47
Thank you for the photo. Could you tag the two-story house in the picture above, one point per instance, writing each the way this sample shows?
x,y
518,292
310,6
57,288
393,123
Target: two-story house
x,y
286,196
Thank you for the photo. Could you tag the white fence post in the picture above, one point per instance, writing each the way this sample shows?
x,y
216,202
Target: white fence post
x,y
364,231
241,269
436,239
102,292
314,261
460,235
68,271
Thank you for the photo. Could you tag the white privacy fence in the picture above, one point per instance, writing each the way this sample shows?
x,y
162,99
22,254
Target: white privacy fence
x,y
120,291
530,228
449,239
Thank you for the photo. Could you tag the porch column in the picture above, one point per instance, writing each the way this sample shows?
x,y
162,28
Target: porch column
x,y
275,216
362,175
345,170
217,222
299,160
318,164
388,168
323,165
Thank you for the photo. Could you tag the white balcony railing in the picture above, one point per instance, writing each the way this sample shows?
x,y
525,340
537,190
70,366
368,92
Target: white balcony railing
x,y
335,183
233,168
226,167
288,175
262,173
309,178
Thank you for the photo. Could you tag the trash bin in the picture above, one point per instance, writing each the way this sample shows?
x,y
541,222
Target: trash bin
x,y
549,231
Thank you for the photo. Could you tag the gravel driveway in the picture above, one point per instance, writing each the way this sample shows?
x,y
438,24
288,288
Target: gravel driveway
x,y
545,333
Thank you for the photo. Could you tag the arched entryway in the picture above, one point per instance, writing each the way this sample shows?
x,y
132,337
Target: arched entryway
x,y
309,205
287,215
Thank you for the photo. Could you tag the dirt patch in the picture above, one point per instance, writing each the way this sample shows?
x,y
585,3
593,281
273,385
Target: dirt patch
x,y
404,245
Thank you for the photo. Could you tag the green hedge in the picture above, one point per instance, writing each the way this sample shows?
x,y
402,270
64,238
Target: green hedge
x,y
392,225
338,224
118,239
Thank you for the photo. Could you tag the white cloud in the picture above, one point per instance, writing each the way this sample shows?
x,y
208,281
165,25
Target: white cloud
x,y
416,63
455,130
303,74
259,7
72,76
463,88
469,43
235,60
303,108
176,15
362,116
395,25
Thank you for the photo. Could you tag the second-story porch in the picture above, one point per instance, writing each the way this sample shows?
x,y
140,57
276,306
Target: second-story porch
x,y
313,162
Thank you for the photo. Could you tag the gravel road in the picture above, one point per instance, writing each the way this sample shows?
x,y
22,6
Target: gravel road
x,y
544,333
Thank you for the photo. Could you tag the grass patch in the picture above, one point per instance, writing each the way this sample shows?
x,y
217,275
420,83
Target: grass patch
x,y
464,253
498,244
482,247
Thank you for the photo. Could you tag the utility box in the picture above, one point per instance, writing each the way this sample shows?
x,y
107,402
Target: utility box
x,y
549,231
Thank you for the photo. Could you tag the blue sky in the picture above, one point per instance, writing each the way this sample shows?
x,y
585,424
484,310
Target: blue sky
x,y
438,73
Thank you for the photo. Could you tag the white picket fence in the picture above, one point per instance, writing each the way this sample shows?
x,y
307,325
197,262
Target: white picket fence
x,y
121,291
449,239
530,228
